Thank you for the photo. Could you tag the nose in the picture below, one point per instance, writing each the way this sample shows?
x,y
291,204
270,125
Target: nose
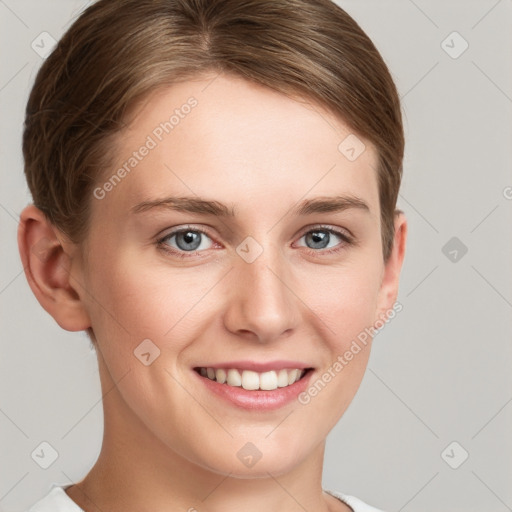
x,y
262,305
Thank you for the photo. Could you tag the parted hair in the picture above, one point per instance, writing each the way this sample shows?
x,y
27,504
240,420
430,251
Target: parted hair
x,y
119,51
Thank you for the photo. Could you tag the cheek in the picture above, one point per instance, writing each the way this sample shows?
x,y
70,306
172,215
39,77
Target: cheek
x,y
131,301
346,311
345,299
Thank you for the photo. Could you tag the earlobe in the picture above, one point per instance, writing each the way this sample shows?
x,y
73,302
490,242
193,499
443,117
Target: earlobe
x,y
388,292
47,268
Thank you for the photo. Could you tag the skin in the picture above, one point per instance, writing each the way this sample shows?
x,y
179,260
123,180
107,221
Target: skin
x,y
168,443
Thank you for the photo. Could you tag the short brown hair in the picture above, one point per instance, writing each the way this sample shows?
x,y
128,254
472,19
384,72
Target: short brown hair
x,y
119,51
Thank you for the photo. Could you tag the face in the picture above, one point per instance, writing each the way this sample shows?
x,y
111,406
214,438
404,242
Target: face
x,y
257,272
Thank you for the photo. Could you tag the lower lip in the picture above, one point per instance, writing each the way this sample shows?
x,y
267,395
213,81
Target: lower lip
x,y
257,400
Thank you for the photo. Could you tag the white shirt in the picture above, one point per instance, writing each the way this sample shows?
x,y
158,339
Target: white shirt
x,y
58,501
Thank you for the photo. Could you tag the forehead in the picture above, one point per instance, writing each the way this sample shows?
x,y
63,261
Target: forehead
x,y
226,138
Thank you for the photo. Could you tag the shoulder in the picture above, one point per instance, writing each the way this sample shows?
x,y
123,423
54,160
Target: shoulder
x,y
354,503
56,500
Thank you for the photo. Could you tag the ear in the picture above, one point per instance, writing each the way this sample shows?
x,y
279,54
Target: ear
x,y
391,274
47,267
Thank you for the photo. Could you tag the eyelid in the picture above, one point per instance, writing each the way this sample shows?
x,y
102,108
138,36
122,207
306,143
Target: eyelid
x,y
173,231
176,229
169,232
342,232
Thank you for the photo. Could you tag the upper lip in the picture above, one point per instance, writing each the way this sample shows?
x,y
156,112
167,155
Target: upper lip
x,y
259,367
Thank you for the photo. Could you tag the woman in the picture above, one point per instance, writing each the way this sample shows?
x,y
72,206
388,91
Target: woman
x,y
214,188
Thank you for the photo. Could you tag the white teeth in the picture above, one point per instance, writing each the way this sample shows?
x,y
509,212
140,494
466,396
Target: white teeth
x,y
252,380
292,376
234,378
220,375
282,378
268,380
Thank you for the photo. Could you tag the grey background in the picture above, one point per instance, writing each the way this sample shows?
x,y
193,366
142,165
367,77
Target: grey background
x,y
439,372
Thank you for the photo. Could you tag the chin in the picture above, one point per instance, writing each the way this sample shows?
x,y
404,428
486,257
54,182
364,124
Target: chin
x,y
248,462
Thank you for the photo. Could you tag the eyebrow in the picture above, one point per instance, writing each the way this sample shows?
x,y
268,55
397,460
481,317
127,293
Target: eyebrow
x,y
215,208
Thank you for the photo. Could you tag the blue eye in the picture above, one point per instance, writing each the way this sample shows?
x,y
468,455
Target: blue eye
x,y
186,240
321,237
318,239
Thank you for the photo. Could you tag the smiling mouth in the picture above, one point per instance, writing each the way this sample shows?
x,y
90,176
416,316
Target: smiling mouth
x,y
251,380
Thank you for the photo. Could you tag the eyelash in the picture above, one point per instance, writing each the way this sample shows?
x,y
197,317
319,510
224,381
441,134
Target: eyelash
x,y
346,240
